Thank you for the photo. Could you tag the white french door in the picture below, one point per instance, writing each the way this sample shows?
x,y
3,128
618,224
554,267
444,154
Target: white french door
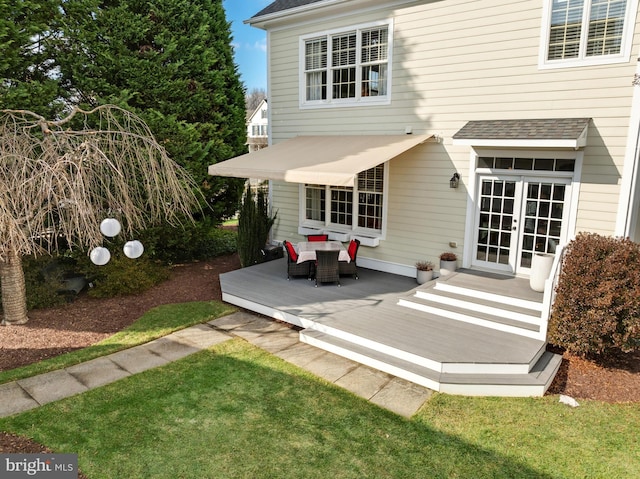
x,y
517,216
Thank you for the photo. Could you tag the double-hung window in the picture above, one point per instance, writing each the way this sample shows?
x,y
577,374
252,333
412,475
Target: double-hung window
x,y
346,67
345,208
587,32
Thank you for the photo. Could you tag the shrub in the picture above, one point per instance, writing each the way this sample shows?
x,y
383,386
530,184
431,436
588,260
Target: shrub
x,y
123,276
193,241
43,280
254,223
597,306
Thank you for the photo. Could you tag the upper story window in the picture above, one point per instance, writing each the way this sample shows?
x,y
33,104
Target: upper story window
x,y
346,67
587,32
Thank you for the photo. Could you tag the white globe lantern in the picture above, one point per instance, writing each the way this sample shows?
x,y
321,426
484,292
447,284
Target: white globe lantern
x,y
133,249
110,227
100,256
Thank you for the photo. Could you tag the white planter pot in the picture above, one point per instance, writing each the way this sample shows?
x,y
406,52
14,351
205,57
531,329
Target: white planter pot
x,y
447,267
424,276
541,264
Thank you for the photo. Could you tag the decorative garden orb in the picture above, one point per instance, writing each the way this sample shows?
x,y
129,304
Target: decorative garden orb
x,y
110,227
133,249
100,256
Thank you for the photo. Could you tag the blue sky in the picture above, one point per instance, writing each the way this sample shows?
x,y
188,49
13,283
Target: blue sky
x,y
249,43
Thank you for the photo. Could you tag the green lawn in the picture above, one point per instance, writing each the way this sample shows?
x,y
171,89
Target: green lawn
x,y
155,323
236,411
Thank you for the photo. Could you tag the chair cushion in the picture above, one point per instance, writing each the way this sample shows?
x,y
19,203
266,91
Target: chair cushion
x,y
353,249
318,237
290,251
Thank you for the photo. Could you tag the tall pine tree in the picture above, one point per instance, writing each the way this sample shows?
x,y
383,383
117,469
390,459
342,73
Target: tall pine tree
x,y
28,75
171,62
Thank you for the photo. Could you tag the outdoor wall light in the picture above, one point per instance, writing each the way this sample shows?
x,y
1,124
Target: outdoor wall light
x,y
454,181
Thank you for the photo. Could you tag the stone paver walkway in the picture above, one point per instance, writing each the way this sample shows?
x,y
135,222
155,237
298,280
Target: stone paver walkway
x,y
395,394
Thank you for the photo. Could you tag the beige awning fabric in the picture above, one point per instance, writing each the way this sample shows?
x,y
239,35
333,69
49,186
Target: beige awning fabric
x,y
324,160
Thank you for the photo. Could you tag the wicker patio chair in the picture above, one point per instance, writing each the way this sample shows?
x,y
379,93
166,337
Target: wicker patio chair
x,y
327,270
293,268
318,237
350,267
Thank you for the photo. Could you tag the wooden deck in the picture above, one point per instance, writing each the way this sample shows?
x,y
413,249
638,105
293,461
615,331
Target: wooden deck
x,y
467,333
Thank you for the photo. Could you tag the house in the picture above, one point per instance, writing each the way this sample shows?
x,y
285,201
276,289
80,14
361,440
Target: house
x,y
493,129
257,127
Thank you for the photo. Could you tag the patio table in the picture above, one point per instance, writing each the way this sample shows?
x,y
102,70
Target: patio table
x,y
307,250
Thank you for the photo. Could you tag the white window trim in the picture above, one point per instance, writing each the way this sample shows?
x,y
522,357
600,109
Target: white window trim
x,y
344,102
354,230
622,57
474,172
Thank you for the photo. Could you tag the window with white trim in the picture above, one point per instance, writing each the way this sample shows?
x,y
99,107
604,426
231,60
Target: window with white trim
x,y
587,32
345,208
349,66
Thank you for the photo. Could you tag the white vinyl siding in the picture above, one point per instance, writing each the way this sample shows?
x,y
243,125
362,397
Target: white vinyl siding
x,y
451,62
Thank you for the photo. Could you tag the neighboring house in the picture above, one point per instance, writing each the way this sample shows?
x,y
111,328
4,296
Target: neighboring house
x,y
376,105
258,127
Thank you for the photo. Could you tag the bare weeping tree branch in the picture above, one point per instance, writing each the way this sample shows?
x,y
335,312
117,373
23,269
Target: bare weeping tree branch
x,y
60,179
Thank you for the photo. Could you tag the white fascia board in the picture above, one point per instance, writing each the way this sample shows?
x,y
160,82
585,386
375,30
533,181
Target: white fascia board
x,y
260,22
573,144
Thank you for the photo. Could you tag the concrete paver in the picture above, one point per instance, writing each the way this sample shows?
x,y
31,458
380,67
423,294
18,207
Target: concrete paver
x,y
53,386
277,340
170,349
14,399
331,367
402,397
389,392
97,372
364,381
136,360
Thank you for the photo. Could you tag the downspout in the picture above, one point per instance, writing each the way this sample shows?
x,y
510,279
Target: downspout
x,y
627,207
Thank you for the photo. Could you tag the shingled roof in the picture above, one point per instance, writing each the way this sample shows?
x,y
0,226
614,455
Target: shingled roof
x,y
538,129
281,5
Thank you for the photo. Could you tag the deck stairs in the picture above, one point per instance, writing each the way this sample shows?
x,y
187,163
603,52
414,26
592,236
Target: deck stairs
x,y
481,310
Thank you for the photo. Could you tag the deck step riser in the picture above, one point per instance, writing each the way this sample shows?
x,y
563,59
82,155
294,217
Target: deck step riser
x,y
479,308
436,367
474,385
373,363
500,299
376,346
469,319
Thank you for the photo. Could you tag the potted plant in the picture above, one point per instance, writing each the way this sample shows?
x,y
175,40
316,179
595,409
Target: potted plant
x,y
448,263
424,271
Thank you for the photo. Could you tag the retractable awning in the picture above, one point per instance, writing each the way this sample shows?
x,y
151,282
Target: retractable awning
x,y
325,160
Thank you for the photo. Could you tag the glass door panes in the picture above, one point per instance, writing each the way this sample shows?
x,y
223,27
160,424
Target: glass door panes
x,y
543,213
496,221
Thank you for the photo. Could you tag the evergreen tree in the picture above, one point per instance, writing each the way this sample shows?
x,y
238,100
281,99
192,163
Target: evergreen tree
x,y
171,62
28,77
254,224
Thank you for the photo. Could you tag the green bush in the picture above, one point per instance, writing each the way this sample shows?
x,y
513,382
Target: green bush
x,y
43,280
597,306
193,241
123,276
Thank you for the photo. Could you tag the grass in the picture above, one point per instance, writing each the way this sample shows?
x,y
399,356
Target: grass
x,y
155,323
235,411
